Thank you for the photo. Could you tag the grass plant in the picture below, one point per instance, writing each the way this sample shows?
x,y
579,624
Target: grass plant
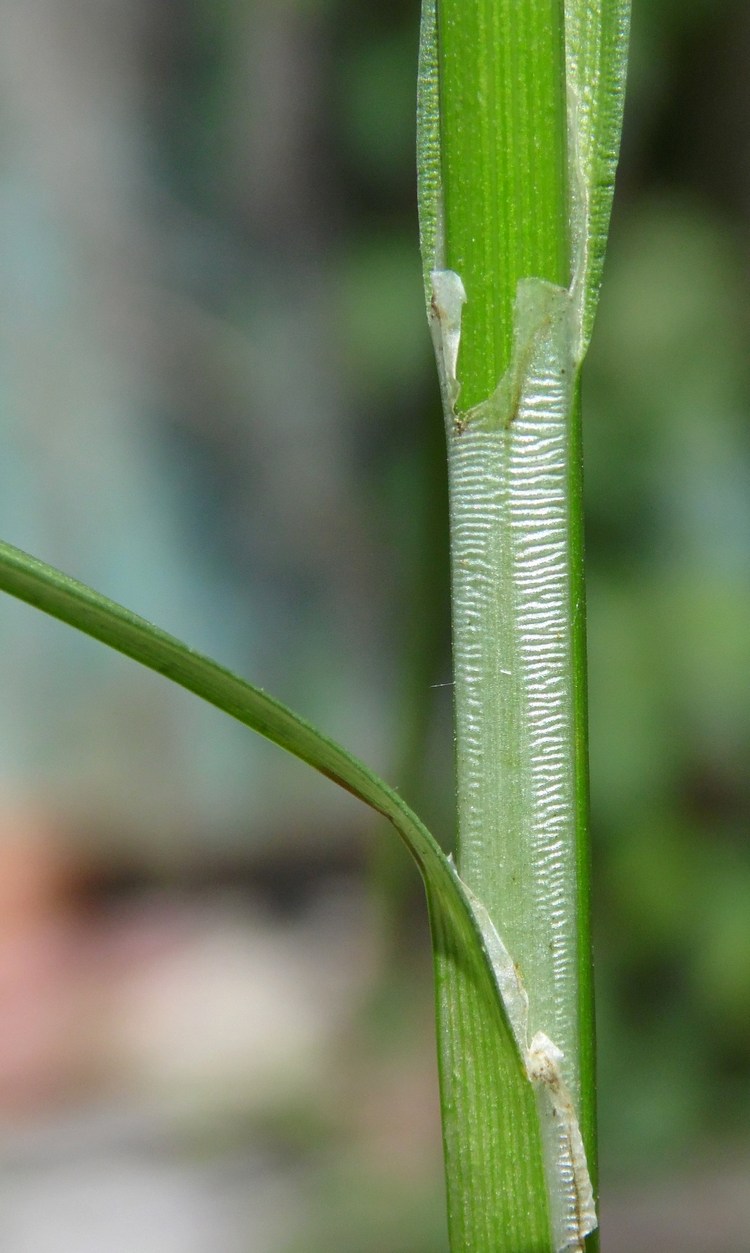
x,y
519,116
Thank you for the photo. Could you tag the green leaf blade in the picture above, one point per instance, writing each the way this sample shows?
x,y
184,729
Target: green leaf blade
x,y
466,980
596,51
495,1180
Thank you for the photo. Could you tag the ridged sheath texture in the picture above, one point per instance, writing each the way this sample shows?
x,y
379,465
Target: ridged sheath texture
x,y
513,656
514,662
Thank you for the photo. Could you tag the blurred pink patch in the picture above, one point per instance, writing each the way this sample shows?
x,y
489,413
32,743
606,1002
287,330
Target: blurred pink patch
x,y
44,977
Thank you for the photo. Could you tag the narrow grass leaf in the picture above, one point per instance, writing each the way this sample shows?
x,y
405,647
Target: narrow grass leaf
x,y
495,1094
596,51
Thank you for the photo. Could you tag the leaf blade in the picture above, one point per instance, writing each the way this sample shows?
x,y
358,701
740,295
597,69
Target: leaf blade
x,y
596,46
466,982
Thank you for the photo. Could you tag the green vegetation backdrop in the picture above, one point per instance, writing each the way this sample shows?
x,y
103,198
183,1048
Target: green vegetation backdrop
x,y
218,323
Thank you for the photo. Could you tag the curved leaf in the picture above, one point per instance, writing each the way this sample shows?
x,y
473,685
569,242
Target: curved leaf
x,y
498,1111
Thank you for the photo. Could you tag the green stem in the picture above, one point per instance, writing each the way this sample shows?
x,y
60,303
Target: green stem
x,y
503,146
498,211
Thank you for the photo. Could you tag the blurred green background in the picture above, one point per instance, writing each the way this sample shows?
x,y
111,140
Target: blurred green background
x,y
217,404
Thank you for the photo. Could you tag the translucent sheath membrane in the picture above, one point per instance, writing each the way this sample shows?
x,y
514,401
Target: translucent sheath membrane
x,y
509,470
517,589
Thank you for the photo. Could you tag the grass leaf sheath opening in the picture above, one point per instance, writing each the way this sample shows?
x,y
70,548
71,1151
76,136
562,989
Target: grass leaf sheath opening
x,y
519,124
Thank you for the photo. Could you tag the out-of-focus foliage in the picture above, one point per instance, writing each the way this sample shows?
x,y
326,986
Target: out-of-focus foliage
x,y
668,473
217,404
